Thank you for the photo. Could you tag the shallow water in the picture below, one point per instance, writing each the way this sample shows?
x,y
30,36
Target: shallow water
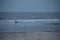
x,y
13,26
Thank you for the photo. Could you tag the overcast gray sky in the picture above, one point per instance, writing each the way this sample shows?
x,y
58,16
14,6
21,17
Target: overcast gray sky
x,y
29,5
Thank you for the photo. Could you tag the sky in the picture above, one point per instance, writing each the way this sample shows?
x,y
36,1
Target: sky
x,y
29,6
